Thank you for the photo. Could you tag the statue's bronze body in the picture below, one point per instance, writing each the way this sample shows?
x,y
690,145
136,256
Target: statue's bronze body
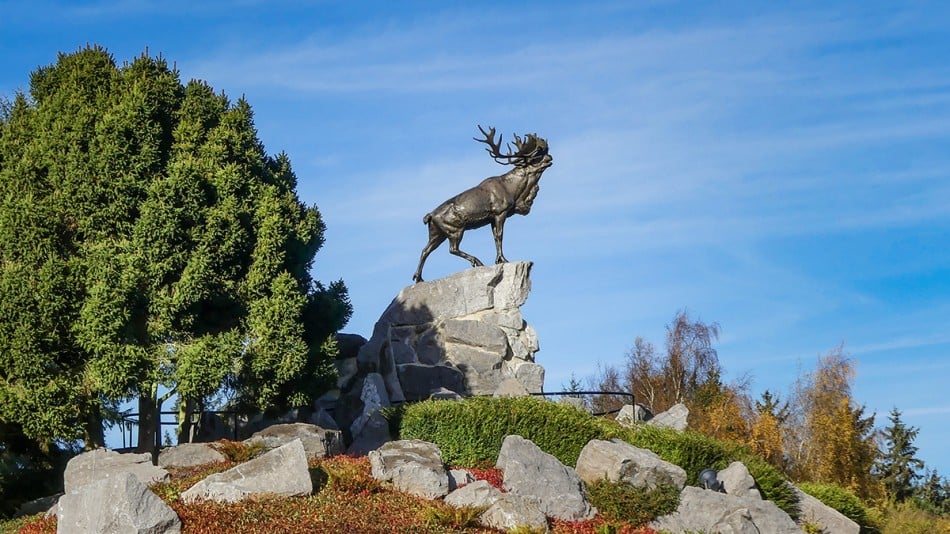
x,y
492,201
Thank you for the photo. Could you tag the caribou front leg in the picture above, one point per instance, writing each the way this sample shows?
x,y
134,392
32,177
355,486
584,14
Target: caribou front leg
x,y
454,241
498,230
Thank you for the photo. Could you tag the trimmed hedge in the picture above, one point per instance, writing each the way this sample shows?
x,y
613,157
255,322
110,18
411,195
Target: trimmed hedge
x,y
470,432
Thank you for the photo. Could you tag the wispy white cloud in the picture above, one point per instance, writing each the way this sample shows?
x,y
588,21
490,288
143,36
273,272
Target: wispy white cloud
x,y
926,411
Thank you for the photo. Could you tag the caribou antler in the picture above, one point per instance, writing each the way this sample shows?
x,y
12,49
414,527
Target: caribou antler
x,y
527,149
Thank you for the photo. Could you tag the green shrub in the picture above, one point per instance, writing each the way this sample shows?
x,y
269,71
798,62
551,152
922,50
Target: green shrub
x,y
694,452
470,432
238,451
621,502
841,500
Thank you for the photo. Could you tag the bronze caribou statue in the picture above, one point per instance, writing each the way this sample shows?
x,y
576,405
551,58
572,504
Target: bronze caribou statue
x,y
492,201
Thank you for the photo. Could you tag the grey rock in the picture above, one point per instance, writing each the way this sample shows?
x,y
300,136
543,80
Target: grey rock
x,y
430,348
531,472
119,504
501,286
323,419
830,520
374,434
349,345
631,414
346,371
282,471
737,481
465,321
188,455
477,494
620,461
420,380
481,334
43,505
510,387
511,511
327,401
577,402
509,320
459,478
531,375
482,369
412,466
709,511
373,397
444,394
675,418
98,464
402,353
317,442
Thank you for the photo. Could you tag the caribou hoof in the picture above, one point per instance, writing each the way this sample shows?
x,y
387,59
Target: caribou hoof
x,y
417,278
501,259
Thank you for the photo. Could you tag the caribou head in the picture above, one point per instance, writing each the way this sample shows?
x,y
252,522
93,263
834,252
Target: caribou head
x,y
493,200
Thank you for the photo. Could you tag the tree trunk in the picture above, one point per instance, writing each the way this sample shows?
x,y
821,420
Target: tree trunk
x,y
149,423
94,435
186,429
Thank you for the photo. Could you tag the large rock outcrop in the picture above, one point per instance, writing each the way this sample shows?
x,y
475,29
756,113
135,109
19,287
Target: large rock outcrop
x,y
813,511
117,504
531,472
317,442
412,466
709,511
463,333
282,471
188,455
676,418
97,464
619,461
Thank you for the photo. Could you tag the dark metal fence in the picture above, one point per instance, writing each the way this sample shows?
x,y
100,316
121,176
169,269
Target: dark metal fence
x,y
130,421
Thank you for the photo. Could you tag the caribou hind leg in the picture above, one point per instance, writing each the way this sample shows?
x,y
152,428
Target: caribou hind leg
x,y
436,238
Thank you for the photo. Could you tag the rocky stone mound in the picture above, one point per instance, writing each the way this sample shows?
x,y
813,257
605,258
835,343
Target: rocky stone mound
x,y
463,334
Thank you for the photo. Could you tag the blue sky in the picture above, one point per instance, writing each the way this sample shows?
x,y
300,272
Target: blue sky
x,y
782,171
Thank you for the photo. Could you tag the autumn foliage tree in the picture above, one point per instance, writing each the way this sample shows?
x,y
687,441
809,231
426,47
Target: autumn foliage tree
x,y
832,439
147,240
769,428
688,371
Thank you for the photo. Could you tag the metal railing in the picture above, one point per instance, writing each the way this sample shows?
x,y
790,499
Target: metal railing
x,y
131,420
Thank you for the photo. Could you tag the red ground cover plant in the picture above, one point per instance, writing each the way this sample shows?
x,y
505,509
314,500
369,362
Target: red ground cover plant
x,y
492,475
40,526
346,499
591,527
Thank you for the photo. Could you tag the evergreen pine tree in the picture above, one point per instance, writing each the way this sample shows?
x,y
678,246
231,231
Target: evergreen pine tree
x,y
147,240
897,465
